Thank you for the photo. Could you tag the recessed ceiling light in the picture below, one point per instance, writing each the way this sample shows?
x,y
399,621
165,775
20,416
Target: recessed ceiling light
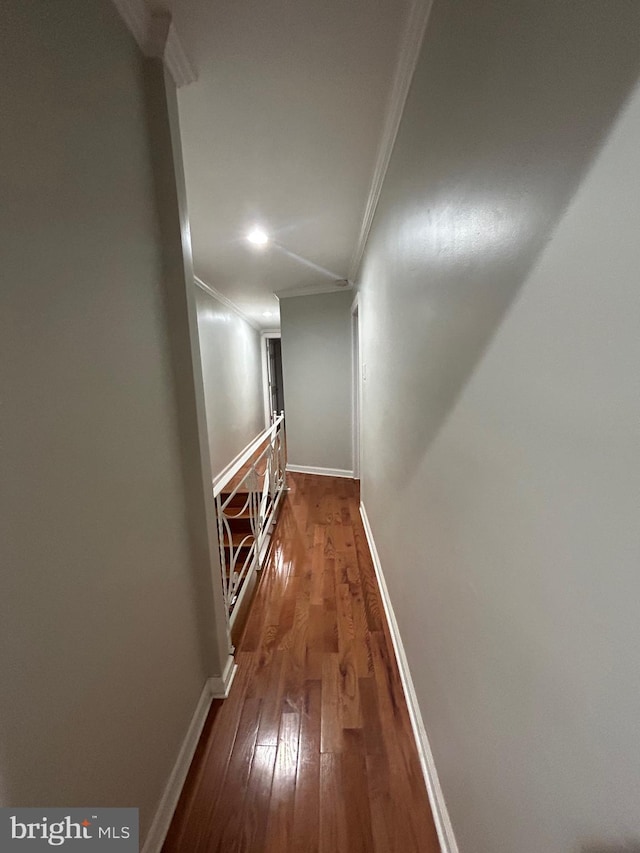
x,y
267,313
258,237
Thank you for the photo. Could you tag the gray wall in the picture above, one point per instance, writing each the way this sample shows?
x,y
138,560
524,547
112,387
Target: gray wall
x,y
316,363
500,451
102,644
232,373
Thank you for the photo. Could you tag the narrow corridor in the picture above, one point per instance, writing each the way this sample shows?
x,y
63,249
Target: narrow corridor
x,y
313,749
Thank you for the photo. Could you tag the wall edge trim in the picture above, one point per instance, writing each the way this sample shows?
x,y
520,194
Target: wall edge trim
x,y
436,796
221,685
171,794
411,41
177,60
225,301
214,688
312,290
156,36
323,472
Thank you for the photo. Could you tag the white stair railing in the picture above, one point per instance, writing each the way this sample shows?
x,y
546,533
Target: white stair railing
x,y
249,491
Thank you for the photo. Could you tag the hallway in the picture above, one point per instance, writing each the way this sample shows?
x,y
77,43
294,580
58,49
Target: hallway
x,y
313,749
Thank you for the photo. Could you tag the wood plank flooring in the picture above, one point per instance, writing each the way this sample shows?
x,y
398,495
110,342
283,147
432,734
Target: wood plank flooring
x,y
313,750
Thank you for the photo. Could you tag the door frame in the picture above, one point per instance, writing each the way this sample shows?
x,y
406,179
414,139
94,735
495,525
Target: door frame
x,y
356,386
264,337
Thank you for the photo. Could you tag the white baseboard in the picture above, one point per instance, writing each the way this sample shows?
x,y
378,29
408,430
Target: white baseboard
x,y
436,796
220,686
323,472
214,688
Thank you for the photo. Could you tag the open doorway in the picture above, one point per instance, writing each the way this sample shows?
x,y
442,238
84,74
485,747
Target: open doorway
x,y
273,384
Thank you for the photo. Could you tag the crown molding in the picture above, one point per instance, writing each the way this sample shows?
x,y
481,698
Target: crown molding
x,y
225,301
136,16
177,60
410,45
312,291
157,37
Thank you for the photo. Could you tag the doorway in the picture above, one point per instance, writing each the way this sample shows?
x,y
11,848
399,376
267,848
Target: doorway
x,y
272,376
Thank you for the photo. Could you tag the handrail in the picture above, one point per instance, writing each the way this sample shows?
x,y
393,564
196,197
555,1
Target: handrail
x,y
232,469
251,500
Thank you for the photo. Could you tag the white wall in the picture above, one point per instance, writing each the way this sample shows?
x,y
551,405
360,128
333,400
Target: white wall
x,y
316,366
102,652
232,374
503,488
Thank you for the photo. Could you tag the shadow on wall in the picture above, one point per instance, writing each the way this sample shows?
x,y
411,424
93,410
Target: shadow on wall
x,y
508,106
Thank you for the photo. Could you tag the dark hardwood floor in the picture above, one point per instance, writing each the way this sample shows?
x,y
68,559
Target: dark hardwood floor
x,y
313,749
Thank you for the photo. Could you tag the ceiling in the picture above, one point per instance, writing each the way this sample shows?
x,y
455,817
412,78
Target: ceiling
x,y
283,129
